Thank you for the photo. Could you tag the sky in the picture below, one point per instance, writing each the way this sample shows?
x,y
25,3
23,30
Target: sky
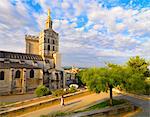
x,y
91,32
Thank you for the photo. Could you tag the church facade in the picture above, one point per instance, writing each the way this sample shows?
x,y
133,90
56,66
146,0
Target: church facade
x,y
41,64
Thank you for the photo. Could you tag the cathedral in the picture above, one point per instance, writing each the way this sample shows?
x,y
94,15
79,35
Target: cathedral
x,y
40,65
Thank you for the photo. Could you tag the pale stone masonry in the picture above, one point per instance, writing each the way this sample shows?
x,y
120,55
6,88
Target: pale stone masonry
x,y
41,64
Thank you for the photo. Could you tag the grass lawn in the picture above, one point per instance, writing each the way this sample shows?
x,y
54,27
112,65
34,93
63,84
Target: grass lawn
x,y
105,104
94,107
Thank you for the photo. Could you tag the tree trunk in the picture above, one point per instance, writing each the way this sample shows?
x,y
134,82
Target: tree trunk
x,y
111,99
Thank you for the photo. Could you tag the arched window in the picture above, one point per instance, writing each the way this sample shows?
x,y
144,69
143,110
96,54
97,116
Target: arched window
x,y
2,75
17,75
48,47
48,40
57,77
53,41
32,73
61,73
53,48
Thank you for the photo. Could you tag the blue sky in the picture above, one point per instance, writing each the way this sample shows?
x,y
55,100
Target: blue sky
x,y
91,32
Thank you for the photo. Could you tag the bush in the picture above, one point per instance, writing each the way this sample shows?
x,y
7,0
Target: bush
x,y
42,91
72,89
58,92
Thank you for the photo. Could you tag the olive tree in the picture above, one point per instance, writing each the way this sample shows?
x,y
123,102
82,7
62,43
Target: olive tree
x,y
103,79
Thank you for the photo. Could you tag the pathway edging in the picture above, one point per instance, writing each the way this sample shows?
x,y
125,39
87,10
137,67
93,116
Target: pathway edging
x,y
132,95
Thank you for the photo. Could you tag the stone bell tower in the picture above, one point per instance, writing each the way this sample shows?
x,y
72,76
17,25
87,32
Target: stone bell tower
x,y
48,23
48,39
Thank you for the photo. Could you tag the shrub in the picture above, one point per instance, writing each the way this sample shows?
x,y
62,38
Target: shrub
x,y
72,89
42,91
58,92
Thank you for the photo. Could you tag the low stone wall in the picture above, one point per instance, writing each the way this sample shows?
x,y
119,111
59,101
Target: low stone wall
x,y
35,106
16,104
109,111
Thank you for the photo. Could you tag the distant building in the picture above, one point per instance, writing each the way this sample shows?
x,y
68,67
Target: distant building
x,y
70,76
41,64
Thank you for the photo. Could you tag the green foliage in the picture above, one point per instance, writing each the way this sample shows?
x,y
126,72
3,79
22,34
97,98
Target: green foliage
x,y
72,89
42,91
131,77
139,65
5,103
59,92
134,83
136,73
101,79
79,76
147,88
56,114
105,104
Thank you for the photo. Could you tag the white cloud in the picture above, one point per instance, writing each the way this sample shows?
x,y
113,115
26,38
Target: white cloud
x,y
14,24
65,5
111,34
97,27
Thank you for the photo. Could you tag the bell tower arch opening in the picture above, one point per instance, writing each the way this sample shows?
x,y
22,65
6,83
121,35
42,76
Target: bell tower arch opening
x,y
48,39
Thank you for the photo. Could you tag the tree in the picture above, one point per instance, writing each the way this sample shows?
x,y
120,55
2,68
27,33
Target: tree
x,y
134,82
137,72
103,79
79,76
139,65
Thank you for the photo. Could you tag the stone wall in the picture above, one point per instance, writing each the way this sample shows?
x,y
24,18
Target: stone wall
x,y
23,84
40,104
108,111
32,44
5,85
33,83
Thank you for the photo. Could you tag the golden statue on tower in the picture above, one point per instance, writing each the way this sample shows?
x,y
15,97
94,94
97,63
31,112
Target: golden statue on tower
x,y
48,23
49,12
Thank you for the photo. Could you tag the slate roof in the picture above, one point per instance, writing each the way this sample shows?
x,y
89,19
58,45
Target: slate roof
x,y
4,65
22,56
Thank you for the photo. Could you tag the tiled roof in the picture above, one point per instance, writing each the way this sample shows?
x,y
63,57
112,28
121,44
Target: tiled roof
x,y
22,56
16,65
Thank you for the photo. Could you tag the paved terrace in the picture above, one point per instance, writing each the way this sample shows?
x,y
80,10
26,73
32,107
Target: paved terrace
x,y
75,104
86,101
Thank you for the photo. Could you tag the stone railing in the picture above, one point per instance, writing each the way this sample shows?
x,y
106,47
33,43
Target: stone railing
x,y
16,111
108,111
